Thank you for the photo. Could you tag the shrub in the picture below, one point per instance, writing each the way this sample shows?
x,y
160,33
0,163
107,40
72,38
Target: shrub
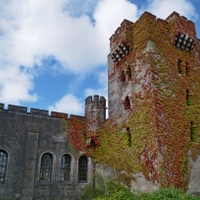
x,y
113,190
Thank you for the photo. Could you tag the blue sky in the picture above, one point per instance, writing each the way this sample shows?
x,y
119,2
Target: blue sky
x,y
53,53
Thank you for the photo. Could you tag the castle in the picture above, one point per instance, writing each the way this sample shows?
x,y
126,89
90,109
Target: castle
x,y
153,92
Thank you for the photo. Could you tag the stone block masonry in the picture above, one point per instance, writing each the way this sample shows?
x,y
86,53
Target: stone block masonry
x,y
25,137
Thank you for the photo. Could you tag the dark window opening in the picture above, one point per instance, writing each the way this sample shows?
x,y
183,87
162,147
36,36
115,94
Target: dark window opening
x,y
187,69
127,103
180,69
188,98
3,164
83,169
128,72
65,168
46,167
122,77
193,134
129,136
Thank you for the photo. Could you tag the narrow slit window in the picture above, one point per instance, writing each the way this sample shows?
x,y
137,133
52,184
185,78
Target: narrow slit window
x,y
188,98
129,137
46,167
128,72
65,167
187,69
180,69
193,134
3,165
82,169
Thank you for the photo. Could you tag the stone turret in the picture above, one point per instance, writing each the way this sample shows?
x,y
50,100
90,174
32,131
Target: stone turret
x,y
95,111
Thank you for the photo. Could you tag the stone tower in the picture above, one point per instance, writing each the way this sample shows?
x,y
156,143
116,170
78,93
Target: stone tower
x,y
153,78
95,111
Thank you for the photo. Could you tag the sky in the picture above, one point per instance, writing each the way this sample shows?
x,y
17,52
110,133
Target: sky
x,y
53,53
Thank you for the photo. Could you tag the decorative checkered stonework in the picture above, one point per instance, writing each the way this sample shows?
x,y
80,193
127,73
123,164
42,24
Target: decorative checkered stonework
x,y
184,42
121,51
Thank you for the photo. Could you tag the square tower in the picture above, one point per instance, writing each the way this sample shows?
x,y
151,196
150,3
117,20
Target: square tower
x,y
154,88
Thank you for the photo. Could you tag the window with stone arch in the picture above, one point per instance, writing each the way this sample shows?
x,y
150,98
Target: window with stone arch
x,y
83,169
46,167
65,167
3,165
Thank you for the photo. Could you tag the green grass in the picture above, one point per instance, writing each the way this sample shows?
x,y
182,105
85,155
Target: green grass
x,y
112,190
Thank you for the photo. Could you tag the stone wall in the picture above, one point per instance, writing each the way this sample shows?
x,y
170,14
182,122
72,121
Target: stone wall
x,y
26,137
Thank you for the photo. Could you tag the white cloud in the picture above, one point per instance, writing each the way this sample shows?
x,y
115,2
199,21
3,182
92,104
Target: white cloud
x,y
110,13
32,30
69,104
102,78
15,85
163,8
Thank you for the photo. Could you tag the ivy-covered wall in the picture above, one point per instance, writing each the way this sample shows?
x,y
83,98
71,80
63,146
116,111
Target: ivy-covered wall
x,y
154,123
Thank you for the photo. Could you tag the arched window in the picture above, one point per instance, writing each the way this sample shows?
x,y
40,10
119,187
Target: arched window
x,y
46,167
82,169
65,167
3,164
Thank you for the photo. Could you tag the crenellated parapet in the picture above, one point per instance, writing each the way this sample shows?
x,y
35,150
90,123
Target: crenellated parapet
x,y
95,101
36,111
121,36
182,25
14,108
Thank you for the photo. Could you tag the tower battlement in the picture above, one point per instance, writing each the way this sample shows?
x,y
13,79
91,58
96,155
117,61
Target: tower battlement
x,y
95,111
95,101
121,35
182,24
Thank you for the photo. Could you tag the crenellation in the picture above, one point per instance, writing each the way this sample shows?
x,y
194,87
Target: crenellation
x,y
126,25
148,16
102,99
41,112
121,35
2,106
36,111
95,100
72,117
88,100
15,108
190,23
182,24
118,31
59,115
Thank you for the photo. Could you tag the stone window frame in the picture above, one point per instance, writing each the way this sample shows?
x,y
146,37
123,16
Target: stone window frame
x,y
83,171
5,174
53,168
70,168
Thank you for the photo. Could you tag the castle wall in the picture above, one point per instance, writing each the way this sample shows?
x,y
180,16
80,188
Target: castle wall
x,y
26,137
153,89
160,76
